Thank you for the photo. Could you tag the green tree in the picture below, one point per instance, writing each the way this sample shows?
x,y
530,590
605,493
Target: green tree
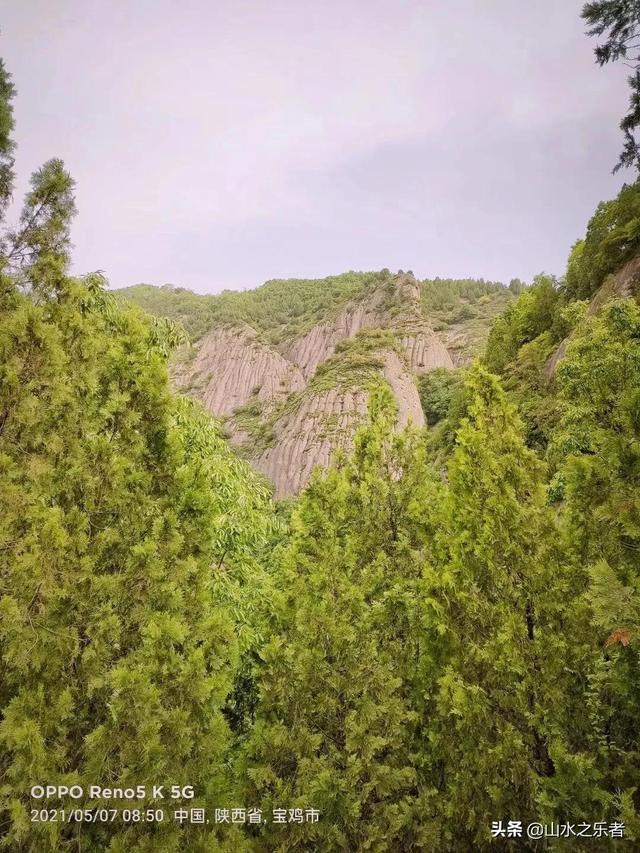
x,y
336,726
620,21
523,321
596,456
612,238
7,145
500,701
437,389
125,530
38,253
596,445
117,656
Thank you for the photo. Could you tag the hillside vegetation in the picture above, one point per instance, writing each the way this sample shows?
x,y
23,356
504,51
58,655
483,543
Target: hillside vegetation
x,y
435,642
291,305
284,308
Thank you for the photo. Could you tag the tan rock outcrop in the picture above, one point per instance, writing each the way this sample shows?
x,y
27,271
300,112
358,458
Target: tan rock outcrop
x,y
317,345
408,287
327,421
310,435
314,347
232,366
425,351
404,390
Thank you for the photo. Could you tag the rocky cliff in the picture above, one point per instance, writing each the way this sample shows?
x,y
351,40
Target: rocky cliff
x,y
291,382
288,407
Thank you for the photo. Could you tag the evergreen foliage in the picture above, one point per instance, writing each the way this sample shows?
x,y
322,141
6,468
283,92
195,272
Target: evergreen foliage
x,y
442,631
620,21
278,309
522,322
613,237
446,294
437,389
7,145
500,676
121,507
336,722
117,652
282,309
595,454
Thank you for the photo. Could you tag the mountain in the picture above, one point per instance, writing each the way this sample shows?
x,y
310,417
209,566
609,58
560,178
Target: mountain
x,y
289,366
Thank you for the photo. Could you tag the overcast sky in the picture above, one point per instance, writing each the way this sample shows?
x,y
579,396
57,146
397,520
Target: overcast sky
x,y
220,143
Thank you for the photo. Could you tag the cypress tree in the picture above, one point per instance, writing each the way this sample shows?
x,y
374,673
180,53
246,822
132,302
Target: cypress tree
x,y
489,724
597,455
121,509
336,723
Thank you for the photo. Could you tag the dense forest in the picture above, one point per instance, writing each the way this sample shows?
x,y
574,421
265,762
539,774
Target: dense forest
x,y
438,636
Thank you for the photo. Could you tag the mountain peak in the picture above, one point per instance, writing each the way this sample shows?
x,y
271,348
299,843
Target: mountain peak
x,y
407,286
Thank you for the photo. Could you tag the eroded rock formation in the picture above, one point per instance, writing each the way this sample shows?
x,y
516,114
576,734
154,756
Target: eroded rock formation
x,y
276,410
232,366
310,435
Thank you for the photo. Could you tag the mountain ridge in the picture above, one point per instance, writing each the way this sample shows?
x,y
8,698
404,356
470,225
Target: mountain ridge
x,y
291,379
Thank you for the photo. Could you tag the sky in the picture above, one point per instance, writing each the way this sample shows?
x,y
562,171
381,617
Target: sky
x,y
221,143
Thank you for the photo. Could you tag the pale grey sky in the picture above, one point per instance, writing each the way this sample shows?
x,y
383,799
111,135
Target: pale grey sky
x,y
220,143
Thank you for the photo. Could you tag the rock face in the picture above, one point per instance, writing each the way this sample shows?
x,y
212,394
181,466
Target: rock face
x,y
231,366
404,390
326,420
311,349
309,436
424,351
290,407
